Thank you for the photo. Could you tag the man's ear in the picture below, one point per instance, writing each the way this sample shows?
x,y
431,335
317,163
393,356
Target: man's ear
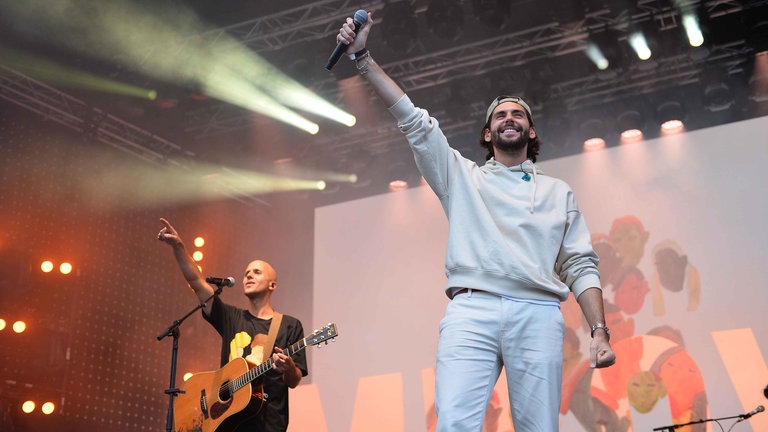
x,y
532,133
487,135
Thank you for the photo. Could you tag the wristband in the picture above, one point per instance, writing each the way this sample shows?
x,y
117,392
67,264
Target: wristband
x,y
358,55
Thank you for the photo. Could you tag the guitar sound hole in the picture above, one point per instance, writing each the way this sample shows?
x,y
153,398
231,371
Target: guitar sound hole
x,y
224,392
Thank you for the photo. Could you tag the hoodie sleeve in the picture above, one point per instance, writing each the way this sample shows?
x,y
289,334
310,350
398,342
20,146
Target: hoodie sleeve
x,y
577,260
430,146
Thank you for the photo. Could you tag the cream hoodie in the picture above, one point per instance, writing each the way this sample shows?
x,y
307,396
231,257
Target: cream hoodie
x,y
509,236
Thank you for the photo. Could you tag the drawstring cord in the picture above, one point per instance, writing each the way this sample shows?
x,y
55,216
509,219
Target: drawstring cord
x,y
527,177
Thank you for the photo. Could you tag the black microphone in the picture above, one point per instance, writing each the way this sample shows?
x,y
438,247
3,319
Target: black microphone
x,y
360,18
759,409
222,282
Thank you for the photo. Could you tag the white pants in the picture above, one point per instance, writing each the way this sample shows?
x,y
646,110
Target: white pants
x,y
480,333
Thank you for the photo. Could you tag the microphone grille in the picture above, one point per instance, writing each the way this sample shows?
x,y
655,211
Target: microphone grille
x,y
231,281
361,17
760,408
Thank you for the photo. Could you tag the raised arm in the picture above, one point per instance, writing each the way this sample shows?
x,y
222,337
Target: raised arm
x,y
187,265
387,90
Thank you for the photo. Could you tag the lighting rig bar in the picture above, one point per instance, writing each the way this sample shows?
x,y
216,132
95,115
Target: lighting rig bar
x,y
92,122
514,49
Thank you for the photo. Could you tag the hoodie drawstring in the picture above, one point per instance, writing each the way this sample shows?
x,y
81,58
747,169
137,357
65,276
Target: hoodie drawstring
x,y
526,177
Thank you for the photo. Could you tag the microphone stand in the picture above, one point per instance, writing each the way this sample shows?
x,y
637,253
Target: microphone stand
x,y
671,428
173,330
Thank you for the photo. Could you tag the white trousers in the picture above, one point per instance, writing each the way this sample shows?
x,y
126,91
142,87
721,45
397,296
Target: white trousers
x,y
480,333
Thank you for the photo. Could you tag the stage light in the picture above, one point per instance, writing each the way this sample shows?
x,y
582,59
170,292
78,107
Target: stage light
x,y
605,51
594,53
671,116
692,30
28,406
2,324
638,43
197,256
65,268
187,376
716,84
593,144
64,76
48,408
46,266
19,326
629,125
199,242
592,131
218,65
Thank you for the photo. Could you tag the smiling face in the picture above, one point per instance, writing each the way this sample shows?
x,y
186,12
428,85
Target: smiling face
x,y
509,128
260,279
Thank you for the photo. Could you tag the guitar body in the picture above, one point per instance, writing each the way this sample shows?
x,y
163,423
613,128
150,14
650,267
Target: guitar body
x,y
202,408
208,402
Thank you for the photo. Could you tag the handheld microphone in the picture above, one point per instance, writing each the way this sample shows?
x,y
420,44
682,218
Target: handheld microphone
x,y
759,409
222,282
360,18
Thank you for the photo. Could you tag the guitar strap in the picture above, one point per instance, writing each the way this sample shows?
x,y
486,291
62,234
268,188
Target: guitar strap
x,y
269,346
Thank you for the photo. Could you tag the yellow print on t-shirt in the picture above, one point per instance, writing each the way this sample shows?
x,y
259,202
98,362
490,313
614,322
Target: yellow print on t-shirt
x,y
242,340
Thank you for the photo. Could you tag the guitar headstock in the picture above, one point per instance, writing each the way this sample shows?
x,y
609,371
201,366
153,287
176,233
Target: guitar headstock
x,y
323,335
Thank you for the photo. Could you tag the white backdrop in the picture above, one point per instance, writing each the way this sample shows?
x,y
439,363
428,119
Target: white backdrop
x,y
379,275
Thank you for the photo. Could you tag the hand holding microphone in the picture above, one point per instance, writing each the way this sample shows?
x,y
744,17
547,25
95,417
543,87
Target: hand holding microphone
x,y
352,36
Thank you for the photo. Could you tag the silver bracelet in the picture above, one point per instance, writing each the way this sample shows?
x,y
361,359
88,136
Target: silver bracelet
x,y
600,326
364,63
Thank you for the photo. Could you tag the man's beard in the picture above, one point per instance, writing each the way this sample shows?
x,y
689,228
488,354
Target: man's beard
x,y
515,145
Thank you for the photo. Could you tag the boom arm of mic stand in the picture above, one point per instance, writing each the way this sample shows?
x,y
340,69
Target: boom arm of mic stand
x,y
675,426
173,330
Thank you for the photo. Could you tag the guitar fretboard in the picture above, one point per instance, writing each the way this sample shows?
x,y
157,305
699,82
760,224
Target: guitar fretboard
x,y
265,367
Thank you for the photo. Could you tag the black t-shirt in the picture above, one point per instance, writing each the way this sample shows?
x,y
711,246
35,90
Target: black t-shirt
x,y
238,328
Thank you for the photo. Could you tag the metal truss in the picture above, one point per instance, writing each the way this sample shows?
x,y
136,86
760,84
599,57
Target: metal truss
x,y
103,127
79,116
515,49
316,20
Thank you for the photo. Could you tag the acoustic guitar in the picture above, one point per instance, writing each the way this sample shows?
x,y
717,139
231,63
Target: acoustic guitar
x,y
219,401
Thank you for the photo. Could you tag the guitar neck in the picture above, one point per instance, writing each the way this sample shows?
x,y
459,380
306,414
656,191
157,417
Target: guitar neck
x,y
265,367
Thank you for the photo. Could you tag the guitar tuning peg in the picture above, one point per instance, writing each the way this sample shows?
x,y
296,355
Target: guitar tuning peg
x,y
320,345
332,340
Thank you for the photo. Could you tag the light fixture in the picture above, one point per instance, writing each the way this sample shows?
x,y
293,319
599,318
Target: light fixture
x,y
629,125
606,53
671,116
717,91
592,131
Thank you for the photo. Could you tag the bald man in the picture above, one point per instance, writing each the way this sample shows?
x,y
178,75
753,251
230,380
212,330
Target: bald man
x,y
244,331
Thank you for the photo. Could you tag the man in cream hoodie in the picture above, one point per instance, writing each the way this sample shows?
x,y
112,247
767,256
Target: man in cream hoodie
x,y
517,247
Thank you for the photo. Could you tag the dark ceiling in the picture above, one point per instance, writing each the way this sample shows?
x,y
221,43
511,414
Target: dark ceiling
x,y
452,57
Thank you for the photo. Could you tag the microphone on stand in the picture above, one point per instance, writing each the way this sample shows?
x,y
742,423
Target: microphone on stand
x,y
757,410
222,282
360,18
